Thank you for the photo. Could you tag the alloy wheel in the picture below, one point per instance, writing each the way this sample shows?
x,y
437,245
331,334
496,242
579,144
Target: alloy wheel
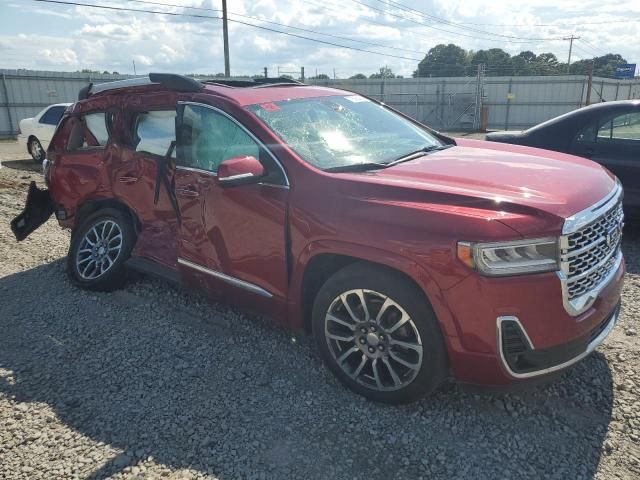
x,y
99,249
373,340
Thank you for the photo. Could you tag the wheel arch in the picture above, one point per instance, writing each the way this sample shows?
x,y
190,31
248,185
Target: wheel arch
x,y
90,206
321,260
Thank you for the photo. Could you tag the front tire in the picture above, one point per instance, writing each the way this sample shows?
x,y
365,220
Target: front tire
x,y
378,334
99,247
36,150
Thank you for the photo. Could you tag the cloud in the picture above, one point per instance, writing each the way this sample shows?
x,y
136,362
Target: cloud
x,y
109,40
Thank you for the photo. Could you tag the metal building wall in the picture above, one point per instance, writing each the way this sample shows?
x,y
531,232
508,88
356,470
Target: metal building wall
x,y
450,103
512,103
23,93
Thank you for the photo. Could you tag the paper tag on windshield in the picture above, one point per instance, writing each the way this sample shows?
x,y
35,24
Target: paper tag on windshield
x,y
270,107
356,98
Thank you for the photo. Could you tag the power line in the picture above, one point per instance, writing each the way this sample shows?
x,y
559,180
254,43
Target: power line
x,y
194,15
271,22
561,22
476,37
595,49
451,23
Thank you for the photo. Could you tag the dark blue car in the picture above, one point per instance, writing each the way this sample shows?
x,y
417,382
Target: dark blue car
x,y
607,133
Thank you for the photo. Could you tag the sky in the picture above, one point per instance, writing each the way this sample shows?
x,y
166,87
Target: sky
x,y
50,36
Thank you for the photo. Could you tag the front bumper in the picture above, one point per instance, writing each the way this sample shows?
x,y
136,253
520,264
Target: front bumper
x,y
520,359
552,339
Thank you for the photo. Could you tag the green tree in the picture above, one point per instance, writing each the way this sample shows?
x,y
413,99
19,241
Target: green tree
x,y
320,76
497,61
523,63
546,64
443,61
603,66
358,76
385,72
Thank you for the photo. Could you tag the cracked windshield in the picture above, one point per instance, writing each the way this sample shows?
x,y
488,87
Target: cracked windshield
x,y
336,131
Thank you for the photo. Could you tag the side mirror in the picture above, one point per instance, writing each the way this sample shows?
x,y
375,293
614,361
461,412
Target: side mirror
x,y
240,171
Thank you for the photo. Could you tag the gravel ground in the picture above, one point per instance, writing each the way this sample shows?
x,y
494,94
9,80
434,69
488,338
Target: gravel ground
x,y
154,382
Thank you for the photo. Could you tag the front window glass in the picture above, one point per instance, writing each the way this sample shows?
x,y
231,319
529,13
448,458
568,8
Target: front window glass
x,y
622,127
208,138
337,131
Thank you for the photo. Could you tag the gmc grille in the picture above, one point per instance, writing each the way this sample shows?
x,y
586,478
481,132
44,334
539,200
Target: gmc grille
x,y
590,254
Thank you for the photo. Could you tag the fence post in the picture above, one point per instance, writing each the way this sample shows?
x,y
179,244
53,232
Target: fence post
x,y
478,106
590,84
6,104
506,115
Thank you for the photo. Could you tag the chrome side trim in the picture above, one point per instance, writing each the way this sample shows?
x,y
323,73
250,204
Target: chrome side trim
x,y
595,343
236,177
586,216
580,304
197,170
236,282
248,132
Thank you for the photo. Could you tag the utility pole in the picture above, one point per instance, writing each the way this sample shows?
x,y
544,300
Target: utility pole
x,y
302,74
265,73
225,34
571,39
590,83
134,67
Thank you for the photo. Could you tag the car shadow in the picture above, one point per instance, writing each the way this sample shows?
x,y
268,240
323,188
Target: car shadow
x,y
158,372
26,165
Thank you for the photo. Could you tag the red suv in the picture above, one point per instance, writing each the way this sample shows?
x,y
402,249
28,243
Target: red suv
x,y
408,254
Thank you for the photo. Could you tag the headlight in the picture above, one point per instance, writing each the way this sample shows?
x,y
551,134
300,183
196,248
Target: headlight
x,y
511,258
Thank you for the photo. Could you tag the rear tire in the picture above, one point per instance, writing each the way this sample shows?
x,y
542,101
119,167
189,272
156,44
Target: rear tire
x,y
378,334
99,248
35,149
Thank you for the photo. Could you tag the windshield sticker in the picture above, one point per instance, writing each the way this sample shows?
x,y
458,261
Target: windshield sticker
x,y
270,107
356,98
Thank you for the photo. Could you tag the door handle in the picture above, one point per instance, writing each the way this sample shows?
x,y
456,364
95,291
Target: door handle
x,y
128,180
187,192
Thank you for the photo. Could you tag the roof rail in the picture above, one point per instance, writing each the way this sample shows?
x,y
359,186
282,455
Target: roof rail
x,y
170,81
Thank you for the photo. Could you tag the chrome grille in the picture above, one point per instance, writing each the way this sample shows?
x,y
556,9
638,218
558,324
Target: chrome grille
x,y
590,253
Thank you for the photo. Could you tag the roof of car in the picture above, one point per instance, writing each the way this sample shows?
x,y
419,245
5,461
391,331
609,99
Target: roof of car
x,y
242,91
590,111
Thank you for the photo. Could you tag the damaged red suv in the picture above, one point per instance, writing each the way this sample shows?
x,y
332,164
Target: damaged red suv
x,y
409,255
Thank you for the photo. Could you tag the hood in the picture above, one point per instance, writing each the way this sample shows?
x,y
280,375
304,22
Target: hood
x,y
504,179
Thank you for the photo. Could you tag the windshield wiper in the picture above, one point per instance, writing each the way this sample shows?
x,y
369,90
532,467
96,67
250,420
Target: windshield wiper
x,y
357,167
365,166
418,153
